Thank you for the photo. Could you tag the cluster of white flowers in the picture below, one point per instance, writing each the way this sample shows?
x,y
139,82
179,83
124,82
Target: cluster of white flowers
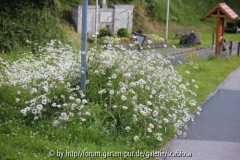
x,y
139,88
42,76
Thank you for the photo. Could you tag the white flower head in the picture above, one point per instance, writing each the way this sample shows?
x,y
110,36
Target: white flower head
x,y
84,101
111,92
124,107
151,125
114,76
127,128
124,98
123,89
165,120
136,138
149,130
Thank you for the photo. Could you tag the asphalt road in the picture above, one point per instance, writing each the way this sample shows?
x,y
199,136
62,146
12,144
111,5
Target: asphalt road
x,y
201,52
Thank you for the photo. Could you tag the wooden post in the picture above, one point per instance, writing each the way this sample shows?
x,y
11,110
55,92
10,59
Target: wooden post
x,y
223,31
230,48
220,11
217,34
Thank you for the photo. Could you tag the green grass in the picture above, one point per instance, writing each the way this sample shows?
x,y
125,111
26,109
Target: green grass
x,y
19,141
206,38
208,74
183,13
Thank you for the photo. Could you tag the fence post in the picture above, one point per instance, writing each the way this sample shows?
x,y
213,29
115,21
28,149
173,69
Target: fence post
x,y
230,48
238,49
212,39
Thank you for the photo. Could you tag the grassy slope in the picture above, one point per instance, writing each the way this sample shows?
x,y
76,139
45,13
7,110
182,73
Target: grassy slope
x,y
150,16
182,13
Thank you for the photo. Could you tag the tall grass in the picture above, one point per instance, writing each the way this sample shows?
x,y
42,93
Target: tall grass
x,y
208,74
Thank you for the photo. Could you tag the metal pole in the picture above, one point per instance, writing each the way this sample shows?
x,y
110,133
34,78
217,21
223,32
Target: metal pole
x,y
230,48
238,49
96,20
84,45
168,2
212,39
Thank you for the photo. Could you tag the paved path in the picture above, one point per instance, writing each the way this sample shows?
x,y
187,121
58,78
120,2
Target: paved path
x,y
178,53
216,133
201,52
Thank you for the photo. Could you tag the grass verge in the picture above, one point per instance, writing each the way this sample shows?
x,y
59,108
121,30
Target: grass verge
x,y
208,74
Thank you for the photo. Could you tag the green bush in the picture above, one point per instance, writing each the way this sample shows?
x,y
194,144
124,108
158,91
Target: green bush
x,y
105,32
123,32
90,39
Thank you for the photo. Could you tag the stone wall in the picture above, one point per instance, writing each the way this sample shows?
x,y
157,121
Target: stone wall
x,y
113,18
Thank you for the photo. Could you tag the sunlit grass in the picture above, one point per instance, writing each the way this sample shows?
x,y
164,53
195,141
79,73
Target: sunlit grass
x,y
208,74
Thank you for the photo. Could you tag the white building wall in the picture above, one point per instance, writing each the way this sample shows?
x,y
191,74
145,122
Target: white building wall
x,y
123,17
118,17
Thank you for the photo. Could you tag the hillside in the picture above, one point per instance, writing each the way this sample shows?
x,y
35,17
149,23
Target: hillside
x,y
150,15
39,20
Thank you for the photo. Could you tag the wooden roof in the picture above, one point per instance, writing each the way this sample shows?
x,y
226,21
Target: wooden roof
x,y
224,9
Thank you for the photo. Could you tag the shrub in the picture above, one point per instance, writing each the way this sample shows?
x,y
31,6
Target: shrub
x,y
123,32
90,39
105,32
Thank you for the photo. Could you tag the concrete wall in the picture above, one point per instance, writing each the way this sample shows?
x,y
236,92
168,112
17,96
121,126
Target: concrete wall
x,y
118,17
123,17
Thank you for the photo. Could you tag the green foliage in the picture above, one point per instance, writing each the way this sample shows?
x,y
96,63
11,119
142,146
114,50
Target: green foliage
x,y
105,32
110,40
124,39
76,2
28,21
210,57
123,32
119,106
24,138
183,11
90,39
208,74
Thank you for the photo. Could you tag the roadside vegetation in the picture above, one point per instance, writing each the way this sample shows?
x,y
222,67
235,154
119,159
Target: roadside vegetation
x,y
133,101
208,73
23,21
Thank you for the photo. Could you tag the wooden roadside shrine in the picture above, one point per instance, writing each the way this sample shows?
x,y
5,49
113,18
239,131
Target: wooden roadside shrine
x,y
220,11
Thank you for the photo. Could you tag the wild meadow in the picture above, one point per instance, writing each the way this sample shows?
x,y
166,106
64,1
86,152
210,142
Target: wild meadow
x,y
134,101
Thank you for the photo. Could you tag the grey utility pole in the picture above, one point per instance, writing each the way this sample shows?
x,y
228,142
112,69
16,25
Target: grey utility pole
x,y
84,45
168,1
96,20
